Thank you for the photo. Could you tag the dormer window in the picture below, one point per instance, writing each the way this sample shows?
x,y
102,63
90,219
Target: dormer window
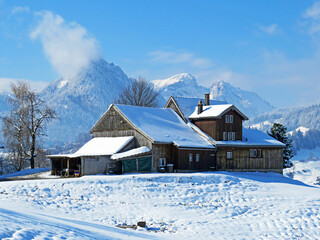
x,y
229,118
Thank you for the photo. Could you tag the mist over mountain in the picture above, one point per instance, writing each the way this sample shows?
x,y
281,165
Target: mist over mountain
x,y
81,100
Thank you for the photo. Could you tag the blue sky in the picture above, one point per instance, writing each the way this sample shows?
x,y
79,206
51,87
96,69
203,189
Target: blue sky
x,y
270,47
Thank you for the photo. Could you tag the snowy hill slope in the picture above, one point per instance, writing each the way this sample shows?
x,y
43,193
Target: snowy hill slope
x,y
292,118
218,205
81,100
248,102
183,85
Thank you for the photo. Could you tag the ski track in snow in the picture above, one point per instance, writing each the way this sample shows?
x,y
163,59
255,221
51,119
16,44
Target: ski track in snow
x,y
218,205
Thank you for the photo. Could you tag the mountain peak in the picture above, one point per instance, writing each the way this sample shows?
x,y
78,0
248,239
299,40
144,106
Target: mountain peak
x,y
248,102
183,85
186,78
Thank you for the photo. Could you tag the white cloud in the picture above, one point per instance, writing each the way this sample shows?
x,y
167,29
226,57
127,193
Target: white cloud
x,y
19,9
312,16
5,84
313,11
180,57
68,46
271,29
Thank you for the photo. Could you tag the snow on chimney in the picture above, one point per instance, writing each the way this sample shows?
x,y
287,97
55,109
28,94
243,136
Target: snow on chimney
x,y
206,99
200,107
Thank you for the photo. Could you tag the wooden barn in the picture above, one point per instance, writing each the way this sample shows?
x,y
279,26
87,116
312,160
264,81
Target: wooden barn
x,y
185,136
171,140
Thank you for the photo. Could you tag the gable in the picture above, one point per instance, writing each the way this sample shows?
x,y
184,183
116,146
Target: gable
x,y
174,106
111,120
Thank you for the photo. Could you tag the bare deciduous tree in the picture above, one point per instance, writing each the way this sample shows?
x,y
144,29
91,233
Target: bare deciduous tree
x,y
26,121
139,93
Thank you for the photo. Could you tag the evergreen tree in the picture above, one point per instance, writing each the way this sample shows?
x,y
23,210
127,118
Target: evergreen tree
x,y
279,132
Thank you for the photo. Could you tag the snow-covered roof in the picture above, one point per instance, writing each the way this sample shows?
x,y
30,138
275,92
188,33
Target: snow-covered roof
x,y
215,111
99,146
187,105
252,138
163,125
130,153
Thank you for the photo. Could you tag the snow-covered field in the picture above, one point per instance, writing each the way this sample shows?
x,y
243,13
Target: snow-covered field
x,y
217,205
306,167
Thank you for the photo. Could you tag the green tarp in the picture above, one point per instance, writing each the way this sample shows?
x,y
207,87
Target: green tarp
x,y
142,164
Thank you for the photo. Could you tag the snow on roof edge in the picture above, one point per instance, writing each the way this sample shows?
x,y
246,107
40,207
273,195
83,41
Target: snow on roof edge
x,y
130,153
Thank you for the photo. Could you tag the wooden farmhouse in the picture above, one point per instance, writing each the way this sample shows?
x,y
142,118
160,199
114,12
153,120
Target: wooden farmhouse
x,y
185,136
238,148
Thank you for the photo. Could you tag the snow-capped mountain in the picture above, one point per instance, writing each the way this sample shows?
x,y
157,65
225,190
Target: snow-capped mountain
x,y
248,102
81,100
183,85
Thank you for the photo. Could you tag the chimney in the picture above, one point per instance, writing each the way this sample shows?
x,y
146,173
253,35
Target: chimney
x,y
206,99
200,107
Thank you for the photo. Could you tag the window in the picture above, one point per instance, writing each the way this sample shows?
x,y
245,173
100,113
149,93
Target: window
x,y
197,157
227,119
233,136
224,136
229,155
162,161
229,136
255,153
190,157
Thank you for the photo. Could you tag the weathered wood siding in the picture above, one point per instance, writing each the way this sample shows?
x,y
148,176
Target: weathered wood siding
x,y
271,159
114,125
97,165
161,151
181,161
215,127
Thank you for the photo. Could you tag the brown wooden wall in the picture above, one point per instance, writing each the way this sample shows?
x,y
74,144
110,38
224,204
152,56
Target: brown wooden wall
x,y
215,127
271,159
181,159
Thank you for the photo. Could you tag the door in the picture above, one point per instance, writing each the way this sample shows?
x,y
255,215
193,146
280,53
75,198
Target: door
x,y
143,164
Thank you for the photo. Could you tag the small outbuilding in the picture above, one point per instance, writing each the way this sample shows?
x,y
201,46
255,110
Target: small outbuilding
x,y
92,158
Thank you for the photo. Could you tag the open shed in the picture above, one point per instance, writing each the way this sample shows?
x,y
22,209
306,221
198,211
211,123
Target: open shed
x,y
92,158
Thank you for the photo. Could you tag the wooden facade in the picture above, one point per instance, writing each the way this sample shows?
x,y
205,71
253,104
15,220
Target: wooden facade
x,y
215,127
186,160
114,124
270,161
